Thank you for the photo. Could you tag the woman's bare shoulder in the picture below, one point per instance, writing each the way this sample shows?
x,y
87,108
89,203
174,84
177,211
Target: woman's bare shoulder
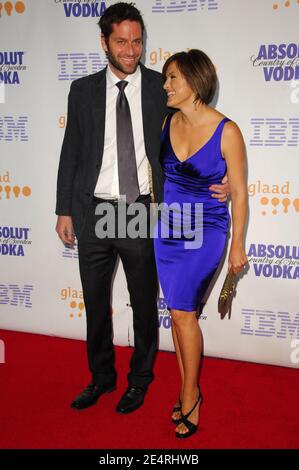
x,y
231,130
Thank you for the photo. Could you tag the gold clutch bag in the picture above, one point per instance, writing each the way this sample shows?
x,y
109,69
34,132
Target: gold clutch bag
x,y
226,294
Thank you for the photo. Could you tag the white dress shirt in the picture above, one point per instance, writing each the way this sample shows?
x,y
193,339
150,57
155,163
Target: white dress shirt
x,y
107,186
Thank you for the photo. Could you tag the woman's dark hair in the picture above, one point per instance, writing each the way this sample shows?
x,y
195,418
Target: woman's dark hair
x,y
117,13
199,71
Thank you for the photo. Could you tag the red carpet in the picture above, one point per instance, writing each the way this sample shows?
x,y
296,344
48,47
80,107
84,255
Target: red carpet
x,y
245,405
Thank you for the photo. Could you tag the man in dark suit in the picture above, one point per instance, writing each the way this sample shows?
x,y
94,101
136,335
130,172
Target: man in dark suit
x,y
112,138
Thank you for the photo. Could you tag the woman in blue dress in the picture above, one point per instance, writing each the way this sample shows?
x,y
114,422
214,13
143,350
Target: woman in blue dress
x,y
199,146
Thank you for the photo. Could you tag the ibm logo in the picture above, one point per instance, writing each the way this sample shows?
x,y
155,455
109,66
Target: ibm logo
x,y
14,295
275,132
266,323
77,65
178,6
70,252
13,128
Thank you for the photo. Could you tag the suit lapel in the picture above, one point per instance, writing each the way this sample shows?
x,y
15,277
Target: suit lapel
x,y
148,106
99,110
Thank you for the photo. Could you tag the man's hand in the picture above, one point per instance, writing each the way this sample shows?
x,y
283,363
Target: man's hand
x,y
221,191
64,228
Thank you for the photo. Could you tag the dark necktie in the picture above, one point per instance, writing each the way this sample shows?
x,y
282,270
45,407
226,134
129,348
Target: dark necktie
x,y
127,169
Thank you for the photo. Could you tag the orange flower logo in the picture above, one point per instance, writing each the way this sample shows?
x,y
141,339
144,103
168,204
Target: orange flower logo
x,y
78,307
275,203
8,191
285,3
8,7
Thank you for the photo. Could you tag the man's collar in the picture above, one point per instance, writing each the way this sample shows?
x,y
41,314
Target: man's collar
x,y
133,78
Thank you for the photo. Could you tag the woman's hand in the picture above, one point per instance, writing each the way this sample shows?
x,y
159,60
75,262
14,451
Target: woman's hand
x,y
237,259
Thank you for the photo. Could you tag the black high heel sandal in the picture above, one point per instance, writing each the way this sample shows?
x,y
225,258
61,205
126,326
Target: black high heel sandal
x,y
177,409
192,428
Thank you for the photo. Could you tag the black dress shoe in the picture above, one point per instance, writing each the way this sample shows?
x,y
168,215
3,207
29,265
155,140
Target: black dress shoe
x,y
90,395
131,400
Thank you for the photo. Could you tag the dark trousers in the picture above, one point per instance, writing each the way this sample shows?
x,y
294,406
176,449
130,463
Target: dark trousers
x,y
97,259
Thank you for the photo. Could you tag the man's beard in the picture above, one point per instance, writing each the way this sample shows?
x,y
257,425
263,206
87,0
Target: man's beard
x,y
113,60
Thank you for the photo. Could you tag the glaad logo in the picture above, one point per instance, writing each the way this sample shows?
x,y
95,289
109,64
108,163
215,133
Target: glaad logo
x,y
266,323
279,62
62,121
178,6
15,295
13,240
83,8
74,299
161,55
13,128
275,199
274,132
8,8
7,191
281,261
11,63
77,65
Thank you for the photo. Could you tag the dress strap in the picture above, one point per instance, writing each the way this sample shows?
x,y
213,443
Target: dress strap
x,y
218,134
165,130
221,124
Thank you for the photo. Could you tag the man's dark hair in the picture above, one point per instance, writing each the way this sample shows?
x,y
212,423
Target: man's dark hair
x,y
198,70
117,13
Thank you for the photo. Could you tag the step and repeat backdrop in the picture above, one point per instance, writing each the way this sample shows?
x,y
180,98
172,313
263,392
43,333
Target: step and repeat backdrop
x,y
44,46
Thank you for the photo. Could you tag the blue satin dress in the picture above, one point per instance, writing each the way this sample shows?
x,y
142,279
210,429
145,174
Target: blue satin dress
x,y
185,270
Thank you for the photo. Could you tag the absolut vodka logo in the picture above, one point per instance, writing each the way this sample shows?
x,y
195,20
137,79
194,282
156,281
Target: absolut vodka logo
x,y
164,320
275,261
82,8
279,62
14,241
11,64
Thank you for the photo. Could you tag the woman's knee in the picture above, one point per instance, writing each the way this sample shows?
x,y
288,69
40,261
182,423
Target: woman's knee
x,y
182,318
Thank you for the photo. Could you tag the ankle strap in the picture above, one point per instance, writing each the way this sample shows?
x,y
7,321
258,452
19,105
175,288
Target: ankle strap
x,y
194,406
